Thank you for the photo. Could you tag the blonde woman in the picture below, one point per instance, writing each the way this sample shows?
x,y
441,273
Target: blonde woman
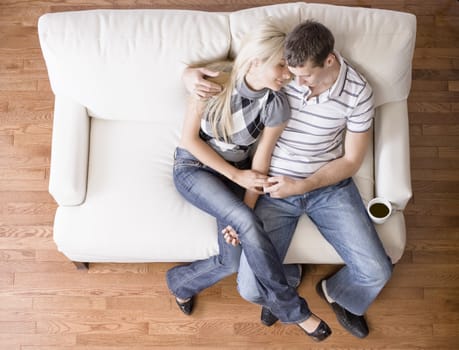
x,y
214,171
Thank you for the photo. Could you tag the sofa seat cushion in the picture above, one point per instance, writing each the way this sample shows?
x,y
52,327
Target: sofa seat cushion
x,y
132,215
132,210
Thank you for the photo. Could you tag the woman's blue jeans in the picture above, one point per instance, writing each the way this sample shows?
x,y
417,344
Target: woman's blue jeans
x,y
340,215
216,195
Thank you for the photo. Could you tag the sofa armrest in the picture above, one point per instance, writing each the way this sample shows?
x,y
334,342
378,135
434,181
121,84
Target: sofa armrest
x,y
69,154
392,154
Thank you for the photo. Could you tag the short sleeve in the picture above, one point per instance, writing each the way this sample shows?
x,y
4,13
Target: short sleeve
x,y
361,118
277,109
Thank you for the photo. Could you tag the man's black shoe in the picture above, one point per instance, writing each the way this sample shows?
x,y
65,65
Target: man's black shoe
x,y
267,318
355,324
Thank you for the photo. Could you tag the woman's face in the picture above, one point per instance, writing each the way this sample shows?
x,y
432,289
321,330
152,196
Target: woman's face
x,y
275,76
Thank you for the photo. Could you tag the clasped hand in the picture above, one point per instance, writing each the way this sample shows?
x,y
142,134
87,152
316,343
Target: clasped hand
x,y
282,187
251,180
276,186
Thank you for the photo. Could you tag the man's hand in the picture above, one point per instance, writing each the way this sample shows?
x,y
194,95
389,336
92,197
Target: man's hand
x,y
282,187
197,85
231,237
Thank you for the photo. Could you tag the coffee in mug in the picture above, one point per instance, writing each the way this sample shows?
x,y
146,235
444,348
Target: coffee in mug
x,y
379,210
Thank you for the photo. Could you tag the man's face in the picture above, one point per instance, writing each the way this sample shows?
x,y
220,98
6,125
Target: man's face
x,y
309,75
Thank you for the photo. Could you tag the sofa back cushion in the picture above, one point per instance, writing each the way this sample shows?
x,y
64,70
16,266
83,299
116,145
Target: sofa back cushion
x,y
378,43
127,64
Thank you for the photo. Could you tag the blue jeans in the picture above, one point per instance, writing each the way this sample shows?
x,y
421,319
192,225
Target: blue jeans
x,y
214,194
339,213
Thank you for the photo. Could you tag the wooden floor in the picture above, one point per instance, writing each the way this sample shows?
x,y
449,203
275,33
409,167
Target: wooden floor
x,y
46,304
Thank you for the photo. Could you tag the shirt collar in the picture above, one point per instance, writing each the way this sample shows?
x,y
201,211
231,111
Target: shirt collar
x,y
334,91
247,92
337,88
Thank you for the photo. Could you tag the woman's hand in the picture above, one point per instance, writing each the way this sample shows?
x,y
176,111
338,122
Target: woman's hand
x,y
231,236
251,180
283,186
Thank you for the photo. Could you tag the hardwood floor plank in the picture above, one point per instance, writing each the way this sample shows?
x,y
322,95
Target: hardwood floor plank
x,y
436,276
63,303
15,303
439,130
448,257
435,164
6,140
424,152
22,174
86,280
443,141
65,327
428,118
6,279
13,328
436,186
448,152
17,255
32,265
76,347
429,107
37,339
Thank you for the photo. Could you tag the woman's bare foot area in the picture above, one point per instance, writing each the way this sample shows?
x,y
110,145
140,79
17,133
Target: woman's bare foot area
x,y
311,324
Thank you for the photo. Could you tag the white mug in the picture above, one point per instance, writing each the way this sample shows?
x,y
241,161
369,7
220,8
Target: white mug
x,y
379,210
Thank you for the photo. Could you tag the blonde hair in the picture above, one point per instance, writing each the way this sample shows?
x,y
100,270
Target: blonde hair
x,y
266,43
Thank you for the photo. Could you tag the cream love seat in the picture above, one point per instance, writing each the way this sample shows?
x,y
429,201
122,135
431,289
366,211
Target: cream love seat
x,y
119,106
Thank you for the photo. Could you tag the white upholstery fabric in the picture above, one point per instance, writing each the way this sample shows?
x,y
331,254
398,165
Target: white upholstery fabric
x,y
392,158
69,170
132,210
379,43
118,115
96,57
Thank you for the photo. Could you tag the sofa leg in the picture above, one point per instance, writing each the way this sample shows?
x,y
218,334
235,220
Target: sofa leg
x,y
81,265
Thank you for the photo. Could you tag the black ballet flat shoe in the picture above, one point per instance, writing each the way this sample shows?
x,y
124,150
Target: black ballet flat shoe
x,y
322,332
186,307
267,317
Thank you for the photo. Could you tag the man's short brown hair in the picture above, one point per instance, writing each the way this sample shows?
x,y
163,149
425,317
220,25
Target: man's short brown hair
x,y
308,41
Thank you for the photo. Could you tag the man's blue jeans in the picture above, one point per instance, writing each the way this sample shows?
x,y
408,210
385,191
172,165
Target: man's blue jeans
x,y
339,213
214,194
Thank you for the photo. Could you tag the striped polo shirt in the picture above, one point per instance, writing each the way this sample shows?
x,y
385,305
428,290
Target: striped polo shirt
x,y
314,135
251,112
